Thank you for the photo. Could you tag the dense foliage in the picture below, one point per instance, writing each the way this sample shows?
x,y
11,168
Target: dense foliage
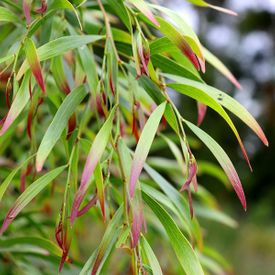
x,y
86,89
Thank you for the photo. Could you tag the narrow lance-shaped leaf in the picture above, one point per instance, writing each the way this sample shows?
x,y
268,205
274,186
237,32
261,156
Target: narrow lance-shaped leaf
x,y
150,255
58,124
100,188
43,244
8,16
59,46
34,63
202,3
179,40
213,103
228,102
189,35
214,61
222,158
96,261
31,192
142,6
57,69
5,184
144,145
20,101
65,4
184,251
137,217
96,151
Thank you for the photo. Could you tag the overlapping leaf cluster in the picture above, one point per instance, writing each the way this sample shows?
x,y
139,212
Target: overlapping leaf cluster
x,y
86,87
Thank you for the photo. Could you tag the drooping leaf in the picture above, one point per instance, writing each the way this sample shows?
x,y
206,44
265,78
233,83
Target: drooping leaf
x,y
59,46
100,188
98,258
186,31
121,11
44,244
65,4
20,101
34,63
179,40
223,160
7,15
5,184
144,145
186,255
150,255
58,124
57,69
228,102
215,62
202,3
89,66
31,192
142,6
213,103
97,149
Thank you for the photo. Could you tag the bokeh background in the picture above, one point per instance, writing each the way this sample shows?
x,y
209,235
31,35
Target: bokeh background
x,y
246,44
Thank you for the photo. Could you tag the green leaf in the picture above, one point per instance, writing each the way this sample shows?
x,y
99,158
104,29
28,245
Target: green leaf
x,y
180,40
202,96
144,144
65,4
29,194
7,15
153,261
202,3
89,65
184,251
17,242
58,124
60,46
223,160
215,62
142,6
97,149
34,63
225,100
5,184
121,11
20,101
106,245
100,188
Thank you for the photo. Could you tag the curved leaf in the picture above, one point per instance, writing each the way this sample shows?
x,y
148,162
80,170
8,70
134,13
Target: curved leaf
x,y
223,160
58,124
99,144
184,251
31,192
144,144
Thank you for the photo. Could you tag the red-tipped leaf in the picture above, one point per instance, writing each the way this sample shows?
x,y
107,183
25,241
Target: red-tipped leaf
x,y
34,63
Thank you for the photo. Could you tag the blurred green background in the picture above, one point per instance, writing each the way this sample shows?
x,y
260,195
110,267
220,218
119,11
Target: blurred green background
x,y
246,44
